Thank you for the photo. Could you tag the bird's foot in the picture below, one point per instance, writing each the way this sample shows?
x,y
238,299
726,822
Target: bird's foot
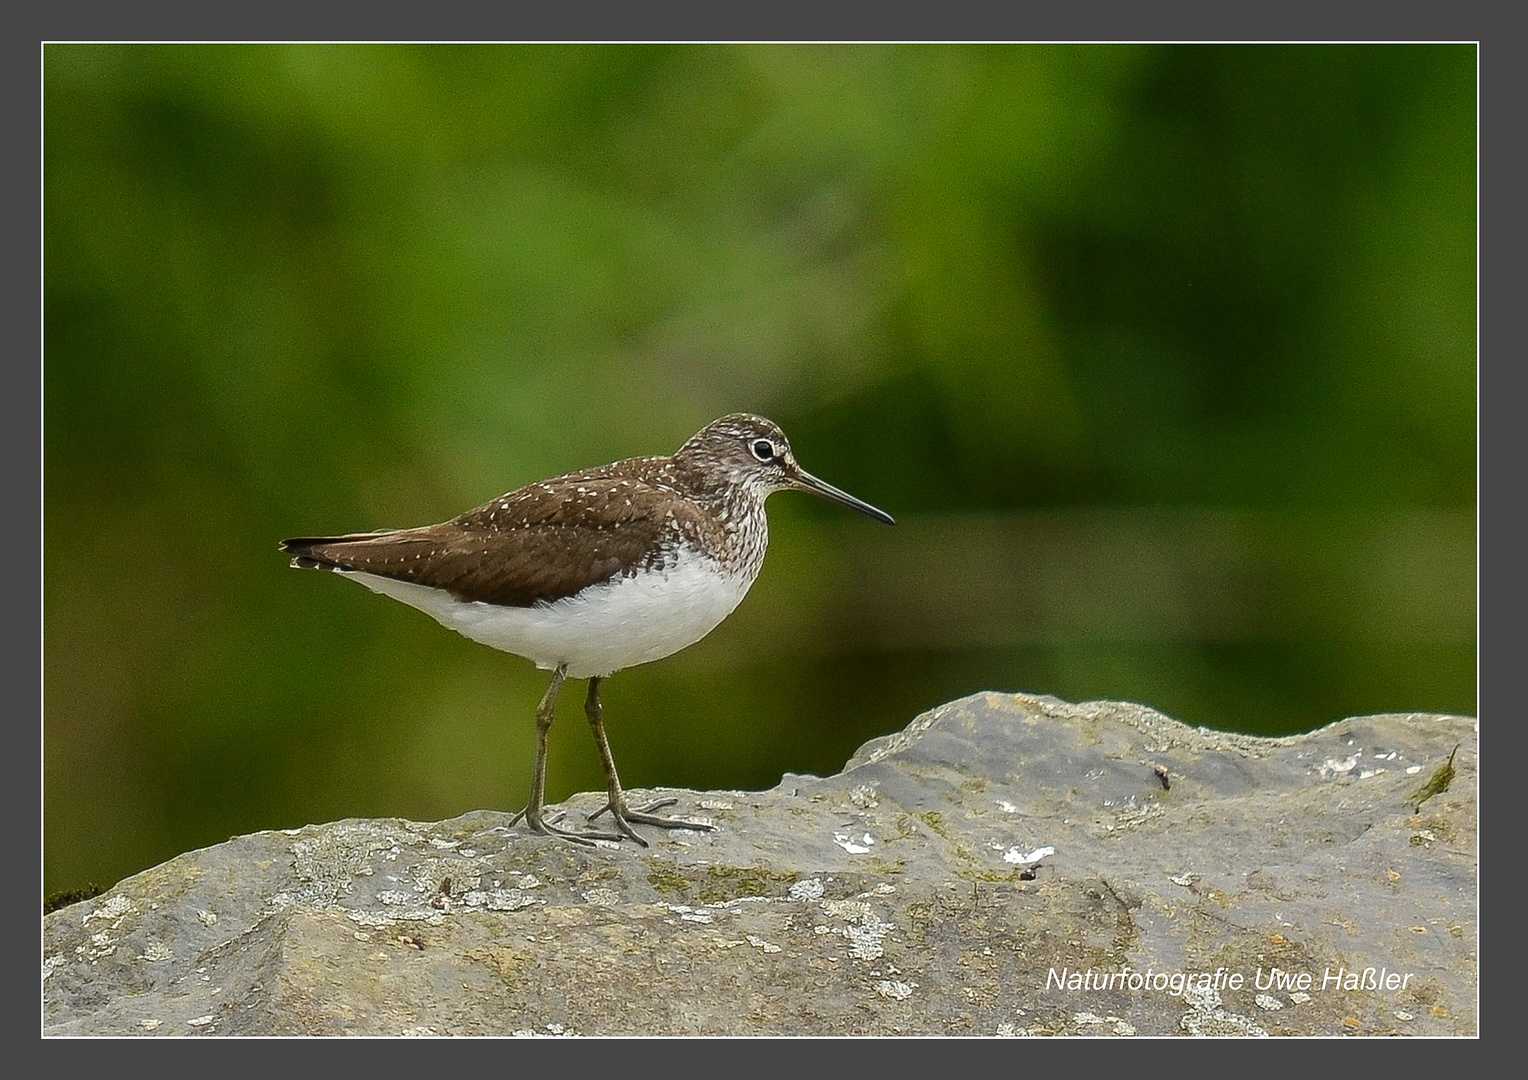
x,y
538,824
624,817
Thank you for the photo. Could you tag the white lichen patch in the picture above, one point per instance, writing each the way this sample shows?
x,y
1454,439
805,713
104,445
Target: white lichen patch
x,y
156,951
853,910
1130,815
101,946
1268,1002
808,890
1219,1023
601,897
715,804
1117,1025
113,909
864,929
1185,880
200,1021
895,990
689,914
1299,997
51,962
864,797
865,939
1202,997
1207,1018
330,862
759,943
392,918
207,918
150,1025
498,899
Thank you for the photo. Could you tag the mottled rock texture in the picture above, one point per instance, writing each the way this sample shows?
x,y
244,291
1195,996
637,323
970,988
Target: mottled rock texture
x,y
910,894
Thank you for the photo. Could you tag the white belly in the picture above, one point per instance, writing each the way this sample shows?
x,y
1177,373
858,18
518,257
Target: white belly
x,y
606,627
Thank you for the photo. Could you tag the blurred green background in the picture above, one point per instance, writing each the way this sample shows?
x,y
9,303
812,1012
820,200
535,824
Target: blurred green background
x,y
1163,357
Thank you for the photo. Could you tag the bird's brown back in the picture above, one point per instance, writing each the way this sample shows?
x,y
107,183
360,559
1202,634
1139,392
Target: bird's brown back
x,y
540,543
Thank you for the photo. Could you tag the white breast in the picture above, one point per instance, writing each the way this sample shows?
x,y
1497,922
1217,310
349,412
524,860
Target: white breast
x,y
616,624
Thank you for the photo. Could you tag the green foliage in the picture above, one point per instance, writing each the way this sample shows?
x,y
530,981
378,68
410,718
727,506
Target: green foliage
x,y
1022,297
65,897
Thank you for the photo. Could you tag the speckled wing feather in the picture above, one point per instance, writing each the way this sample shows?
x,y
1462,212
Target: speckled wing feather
x,y
537,544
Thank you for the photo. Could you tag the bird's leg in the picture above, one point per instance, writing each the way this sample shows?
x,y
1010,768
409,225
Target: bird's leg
x,y
622,814
545,713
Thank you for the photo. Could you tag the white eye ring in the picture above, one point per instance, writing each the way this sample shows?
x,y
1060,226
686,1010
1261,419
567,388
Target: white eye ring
x,y
763,449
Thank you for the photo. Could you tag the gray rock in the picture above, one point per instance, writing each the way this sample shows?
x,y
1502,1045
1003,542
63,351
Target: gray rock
x,y
1008,864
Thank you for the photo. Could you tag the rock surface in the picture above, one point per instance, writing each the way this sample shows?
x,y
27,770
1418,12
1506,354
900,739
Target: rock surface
x,y
1007,865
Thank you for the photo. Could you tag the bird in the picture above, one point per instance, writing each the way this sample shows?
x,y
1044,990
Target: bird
x,y
593,572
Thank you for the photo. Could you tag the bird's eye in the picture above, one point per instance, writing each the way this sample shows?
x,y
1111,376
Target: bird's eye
x,y
763,449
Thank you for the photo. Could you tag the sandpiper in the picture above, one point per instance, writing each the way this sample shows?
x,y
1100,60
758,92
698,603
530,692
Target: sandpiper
x,y
592,572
